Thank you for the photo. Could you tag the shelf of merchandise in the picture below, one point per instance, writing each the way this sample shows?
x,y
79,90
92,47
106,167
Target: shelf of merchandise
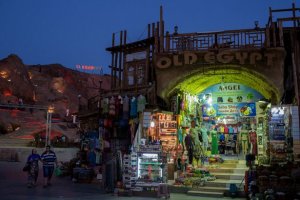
x,y
167,129
278,128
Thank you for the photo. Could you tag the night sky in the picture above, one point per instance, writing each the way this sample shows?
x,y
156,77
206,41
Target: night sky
x,y
71,32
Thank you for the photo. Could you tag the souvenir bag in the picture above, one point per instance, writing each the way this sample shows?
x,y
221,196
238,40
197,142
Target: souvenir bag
x,y
57,171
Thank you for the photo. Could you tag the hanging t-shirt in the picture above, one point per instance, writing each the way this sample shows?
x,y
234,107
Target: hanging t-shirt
x,y
112,106
126,104
226,130
141,103
204,135
235,129
230,130
221,129
179,135
105,105
133,107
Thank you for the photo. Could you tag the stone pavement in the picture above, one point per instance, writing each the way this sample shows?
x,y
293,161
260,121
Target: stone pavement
x,y
13,187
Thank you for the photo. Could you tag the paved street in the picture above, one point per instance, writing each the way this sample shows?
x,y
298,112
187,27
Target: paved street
x,y
13,187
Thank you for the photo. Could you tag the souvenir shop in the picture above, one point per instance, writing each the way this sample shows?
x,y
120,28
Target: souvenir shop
x,y
115,132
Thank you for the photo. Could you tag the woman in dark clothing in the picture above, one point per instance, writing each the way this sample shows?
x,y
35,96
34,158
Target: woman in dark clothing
x,y
33,172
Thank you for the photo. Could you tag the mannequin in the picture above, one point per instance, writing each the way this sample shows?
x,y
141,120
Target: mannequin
x,y
214,141
204,134
244,140
253,141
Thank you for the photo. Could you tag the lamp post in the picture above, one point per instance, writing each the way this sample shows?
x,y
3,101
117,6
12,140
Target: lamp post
x,y
48,125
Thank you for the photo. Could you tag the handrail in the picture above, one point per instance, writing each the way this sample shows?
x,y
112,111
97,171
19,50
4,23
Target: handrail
x,y
234,39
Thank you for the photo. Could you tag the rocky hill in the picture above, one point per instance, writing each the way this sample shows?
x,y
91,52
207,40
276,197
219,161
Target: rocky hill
x,y
45,85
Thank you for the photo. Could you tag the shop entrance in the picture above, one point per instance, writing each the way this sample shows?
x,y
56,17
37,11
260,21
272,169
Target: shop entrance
x,y
223,108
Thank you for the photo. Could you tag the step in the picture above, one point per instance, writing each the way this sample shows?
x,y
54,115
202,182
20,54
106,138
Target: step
x,y
228,170
231,165
232,176
209,189
205,194
223,183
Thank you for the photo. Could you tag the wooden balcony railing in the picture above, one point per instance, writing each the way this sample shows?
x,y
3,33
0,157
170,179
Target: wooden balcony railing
x,y
236,39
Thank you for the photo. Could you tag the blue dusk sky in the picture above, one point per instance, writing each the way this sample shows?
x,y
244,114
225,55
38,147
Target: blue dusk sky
x,y
72,32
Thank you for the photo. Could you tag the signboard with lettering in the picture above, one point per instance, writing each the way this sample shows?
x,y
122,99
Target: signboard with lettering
x,y
225,109
164,61
229,99
229,93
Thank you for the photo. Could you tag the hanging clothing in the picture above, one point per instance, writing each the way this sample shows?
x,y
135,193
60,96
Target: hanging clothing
x,y
126,107
141,103
214,142
195,136
179,135
244,139
118,106
221,129
112,107
204,134
230,130
226,130
105,105
253,141
133,108
235,129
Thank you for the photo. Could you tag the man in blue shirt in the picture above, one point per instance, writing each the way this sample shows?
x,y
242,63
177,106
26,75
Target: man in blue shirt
x,y
49,159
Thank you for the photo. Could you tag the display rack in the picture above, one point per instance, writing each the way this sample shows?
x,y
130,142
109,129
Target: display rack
x,y
278,131
167,129
151,168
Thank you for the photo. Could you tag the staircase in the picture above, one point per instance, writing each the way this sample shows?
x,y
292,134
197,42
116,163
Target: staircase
x,y
231,171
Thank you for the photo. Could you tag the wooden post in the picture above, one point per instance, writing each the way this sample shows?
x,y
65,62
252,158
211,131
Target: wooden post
x,y
112,63
294,14
296,63
157,38
280,32
267,33
273,34
167,41
120,61
115,66
161,31
124,60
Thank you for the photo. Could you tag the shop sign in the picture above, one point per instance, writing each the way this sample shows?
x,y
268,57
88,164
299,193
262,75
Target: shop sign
x,y
224,57
239,109
229,119
233,93
227,109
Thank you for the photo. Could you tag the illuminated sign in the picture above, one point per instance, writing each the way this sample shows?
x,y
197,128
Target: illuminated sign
x,y
224,57
88,67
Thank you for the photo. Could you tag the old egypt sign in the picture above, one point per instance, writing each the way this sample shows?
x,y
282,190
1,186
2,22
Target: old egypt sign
x,y
224,57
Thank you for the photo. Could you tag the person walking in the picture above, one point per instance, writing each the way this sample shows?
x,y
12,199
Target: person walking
x,y
49,159
33,172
